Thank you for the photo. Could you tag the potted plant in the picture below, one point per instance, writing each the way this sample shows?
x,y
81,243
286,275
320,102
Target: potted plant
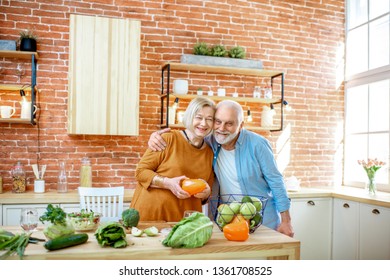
x,y
236,52
28,40
199,91
216,56
201,48
218,50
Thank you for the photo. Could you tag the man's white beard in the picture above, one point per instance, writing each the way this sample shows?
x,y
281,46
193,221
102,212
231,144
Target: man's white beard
x,y
227,139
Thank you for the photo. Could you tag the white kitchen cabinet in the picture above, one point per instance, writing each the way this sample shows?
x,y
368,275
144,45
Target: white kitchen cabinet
x,y
312,222
345,229
374,242
11,212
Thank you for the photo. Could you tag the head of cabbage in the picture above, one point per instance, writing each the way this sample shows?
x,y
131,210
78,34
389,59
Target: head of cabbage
x,y
191,232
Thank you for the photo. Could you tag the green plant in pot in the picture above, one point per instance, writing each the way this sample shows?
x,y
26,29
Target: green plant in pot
x,y
58,223
201,48
28,40
218,50
236,52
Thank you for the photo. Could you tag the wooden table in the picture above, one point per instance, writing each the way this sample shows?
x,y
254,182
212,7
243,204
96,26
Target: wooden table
x,y
264,243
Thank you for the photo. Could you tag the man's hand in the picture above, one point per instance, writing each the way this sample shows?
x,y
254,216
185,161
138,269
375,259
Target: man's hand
x,y
156,143
285,226
203,195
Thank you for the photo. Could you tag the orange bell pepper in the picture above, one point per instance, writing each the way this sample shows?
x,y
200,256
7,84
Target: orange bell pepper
x,y
239,218
193,186
237,231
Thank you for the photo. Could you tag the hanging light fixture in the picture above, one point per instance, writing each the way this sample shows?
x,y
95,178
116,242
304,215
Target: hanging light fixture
x,y
23,95
249,118
176,103
288,107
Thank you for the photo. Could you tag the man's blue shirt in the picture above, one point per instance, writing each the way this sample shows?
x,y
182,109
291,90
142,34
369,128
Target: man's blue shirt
x,y
257,174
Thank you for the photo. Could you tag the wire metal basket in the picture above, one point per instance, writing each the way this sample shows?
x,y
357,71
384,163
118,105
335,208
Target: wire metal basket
x,y
225,208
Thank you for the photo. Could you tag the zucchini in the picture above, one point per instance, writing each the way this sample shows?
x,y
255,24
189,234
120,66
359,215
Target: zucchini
x,y
66,241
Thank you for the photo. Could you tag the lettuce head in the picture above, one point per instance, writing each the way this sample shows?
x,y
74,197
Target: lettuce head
x,y
191,232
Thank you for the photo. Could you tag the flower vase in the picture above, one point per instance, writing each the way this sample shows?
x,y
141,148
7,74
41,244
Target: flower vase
x,y
371,185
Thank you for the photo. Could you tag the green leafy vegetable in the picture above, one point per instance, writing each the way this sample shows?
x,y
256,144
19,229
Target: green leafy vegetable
x,y
55,215
130,217
111,234
14,244
55,231
191,232
59,226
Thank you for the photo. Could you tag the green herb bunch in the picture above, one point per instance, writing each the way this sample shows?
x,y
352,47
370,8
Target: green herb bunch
x,y
55,215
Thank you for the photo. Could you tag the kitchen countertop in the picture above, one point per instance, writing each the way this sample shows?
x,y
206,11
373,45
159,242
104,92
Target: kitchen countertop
x,y
263,243
349,193
30,197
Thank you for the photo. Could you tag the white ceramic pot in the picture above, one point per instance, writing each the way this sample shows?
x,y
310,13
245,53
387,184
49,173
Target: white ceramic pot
x,y
180,86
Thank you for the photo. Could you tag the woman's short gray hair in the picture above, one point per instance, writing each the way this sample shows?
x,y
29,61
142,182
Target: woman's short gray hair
x,y
234,105
193,108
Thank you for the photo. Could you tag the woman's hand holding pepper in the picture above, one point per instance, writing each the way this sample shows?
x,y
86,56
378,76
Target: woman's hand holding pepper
x,y
174,185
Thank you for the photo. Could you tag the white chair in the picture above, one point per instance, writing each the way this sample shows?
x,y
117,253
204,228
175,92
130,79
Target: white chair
x,y
106,201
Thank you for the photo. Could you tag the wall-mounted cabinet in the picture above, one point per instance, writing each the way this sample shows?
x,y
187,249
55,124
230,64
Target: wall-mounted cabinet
x,y
166,95
33,56
104,63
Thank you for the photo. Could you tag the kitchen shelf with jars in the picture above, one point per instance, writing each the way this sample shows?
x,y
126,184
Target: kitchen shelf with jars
x,y
170,95
28,108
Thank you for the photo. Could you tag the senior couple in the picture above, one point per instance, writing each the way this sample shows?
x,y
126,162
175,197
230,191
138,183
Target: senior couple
x,y
214,141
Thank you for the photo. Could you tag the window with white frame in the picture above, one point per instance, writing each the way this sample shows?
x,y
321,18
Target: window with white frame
x,y
367,90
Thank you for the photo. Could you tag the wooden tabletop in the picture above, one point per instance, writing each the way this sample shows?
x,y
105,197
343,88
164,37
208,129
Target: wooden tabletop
x,y
263,244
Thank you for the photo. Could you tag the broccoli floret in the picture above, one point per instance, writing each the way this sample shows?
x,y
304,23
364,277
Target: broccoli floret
x,y
130,217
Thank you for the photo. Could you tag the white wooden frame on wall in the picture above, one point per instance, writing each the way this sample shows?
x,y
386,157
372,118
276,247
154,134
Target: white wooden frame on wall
x,y
104,66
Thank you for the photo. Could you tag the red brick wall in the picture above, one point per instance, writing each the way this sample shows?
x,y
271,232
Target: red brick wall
x,y
300,38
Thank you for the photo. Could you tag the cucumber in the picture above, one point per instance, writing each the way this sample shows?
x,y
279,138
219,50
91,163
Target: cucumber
x,y
66,241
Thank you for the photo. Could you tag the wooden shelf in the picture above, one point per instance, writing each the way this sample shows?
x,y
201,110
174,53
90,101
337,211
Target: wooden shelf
x,y
222,69
15,120
174,66
32,56
248,127
18,54
238,99
15,87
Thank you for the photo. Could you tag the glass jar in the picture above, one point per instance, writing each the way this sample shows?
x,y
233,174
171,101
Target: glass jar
x,y
257,92
267,92
62,183
85,173
18,178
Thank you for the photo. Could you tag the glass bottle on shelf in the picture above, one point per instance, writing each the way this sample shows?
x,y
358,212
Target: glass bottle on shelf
x,y
257,92
18,178
267,92
85,173
62,183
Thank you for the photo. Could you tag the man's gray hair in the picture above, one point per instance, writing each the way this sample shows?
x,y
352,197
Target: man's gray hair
x,y
234,105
